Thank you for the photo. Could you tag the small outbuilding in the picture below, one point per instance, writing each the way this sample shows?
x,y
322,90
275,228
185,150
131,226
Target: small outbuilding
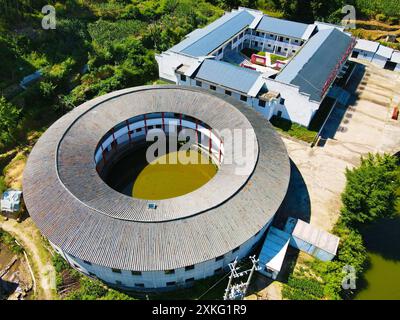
x,y
312,240
11,201
273,252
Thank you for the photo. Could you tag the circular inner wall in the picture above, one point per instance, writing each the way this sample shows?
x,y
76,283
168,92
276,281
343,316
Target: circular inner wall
x,y
184,155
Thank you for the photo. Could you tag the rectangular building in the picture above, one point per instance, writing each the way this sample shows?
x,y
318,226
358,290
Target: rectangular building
x,y
211,58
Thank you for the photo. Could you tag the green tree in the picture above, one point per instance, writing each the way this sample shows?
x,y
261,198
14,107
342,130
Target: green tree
x,y
9,119
370,191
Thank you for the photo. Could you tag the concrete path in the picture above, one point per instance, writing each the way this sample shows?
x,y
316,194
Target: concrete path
x,y
364,126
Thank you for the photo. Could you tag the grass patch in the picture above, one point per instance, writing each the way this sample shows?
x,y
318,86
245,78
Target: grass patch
x,y
293,129
299,288
275,58
79,287
160,82
9,241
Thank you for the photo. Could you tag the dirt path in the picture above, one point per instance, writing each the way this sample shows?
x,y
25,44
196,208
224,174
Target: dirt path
x,y
39,257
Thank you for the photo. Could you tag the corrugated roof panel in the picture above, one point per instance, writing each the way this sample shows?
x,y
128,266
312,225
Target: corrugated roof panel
x,y
311,67
315,236
206,40
274,249
228,75
283,27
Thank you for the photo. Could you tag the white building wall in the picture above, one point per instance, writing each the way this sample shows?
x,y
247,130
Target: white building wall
x,y
297,107
397,67
158,279
251,101
271,43
169,61
379,60
365,55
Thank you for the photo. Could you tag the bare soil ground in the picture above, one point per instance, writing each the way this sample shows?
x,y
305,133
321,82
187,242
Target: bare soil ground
x,y
16,281
39,256
376,30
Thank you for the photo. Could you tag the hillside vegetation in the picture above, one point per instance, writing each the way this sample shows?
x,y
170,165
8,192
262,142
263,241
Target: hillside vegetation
x,y
97,47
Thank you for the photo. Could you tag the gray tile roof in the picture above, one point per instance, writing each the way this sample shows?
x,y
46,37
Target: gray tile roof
x,y
282,27
228,75
311,67
202,42
79,213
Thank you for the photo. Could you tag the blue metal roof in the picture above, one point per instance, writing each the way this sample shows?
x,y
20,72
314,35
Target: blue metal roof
x,y
282,27
311,67
228,75
203,41
274,249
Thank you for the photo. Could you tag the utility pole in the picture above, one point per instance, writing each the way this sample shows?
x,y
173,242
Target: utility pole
x,y
238,291
254,267
233,274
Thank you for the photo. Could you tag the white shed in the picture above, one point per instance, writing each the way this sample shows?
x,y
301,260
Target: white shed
x,y
11,201
314,241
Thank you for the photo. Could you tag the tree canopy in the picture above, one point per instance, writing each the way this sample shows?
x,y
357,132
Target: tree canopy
x,y
370,192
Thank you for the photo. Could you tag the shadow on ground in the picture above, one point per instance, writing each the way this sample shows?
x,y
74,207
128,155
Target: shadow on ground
x,y
337,119
296,204
297,200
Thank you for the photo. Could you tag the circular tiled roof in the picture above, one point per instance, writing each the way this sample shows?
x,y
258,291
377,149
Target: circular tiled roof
x,y
81,214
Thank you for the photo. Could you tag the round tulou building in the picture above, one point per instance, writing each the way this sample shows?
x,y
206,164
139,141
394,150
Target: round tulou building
x,y
90,191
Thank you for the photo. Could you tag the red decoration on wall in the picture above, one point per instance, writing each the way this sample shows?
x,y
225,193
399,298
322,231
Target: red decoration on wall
x,y
338,66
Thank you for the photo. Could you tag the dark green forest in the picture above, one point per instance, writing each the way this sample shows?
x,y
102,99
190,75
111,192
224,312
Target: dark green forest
x,y
101,46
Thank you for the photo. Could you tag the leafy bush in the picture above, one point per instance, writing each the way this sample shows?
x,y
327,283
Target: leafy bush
x,y
370,191
380,17
3,186
307,285
9,119
9,241
60,264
